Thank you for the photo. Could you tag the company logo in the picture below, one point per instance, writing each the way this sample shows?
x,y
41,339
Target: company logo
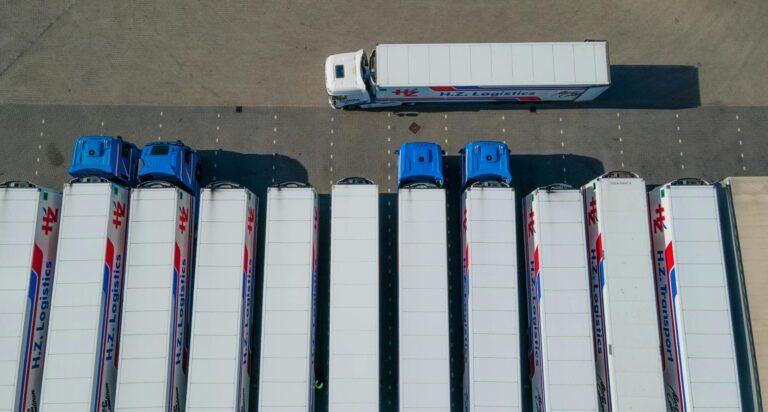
x,y
658,221
667,286
405,92
592,214
177,341
118,214
183,219
251,219
673,401
531,220
50,217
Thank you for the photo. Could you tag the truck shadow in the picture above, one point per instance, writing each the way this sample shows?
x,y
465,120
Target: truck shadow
x,y
632,87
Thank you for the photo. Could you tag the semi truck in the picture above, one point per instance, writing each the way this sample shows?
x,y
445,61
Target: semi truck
x,y
697,343
743,205
82,354
423,355
220,362
154,342
492,361
562,356
406,74
625,324
29,232
353,356
289,307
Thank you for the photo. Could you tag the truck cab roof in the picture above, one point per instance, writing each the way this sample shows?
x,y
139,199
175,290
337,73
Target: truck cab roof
x,y
108,157
342,73
172,162
485,162
420,163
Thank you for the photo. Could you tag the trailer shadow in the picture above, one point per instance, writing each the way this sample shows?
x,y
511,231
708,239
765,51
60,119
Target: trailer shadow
x,y
632,87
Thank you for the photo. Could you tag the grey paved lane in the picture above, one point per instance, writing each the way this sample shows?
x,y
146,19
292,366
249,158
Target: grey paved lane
x,y
261,146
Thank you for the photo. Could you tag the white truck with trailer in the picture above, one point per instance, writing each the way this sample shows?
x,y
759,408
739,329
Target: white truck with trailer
x,y
562,356
153,356
492,362
220,336
743,205
625,324
29,232
289,308
353,358
423,355
698,351
83,335
405,74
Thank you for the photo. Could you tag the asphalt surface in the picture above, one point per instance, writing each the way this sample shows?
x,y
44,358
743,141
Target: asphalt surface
x,y
261,146
271,53
688,99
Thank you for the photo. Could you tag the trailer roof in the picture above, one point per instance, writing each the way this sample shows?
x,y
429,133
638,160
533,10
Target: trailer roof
x,y
492,64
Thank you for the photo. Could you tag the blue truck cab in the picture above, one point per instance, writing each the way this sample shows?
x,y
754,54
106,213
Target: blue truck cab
x,y
171,162
486,163
420,164
107,157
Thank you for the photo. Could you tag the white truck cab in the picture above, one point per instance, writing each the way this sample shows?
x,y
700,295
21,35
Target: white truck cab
x,y
346,79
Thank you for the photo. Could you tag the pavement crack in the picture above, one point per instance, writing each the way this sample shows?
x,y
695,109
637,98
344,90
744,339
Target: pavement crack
x,y
36,39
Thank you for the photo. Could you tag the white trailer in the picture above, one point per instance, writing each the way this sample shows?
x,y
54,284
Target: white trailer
x,y
353,364
424,358
562,357
468,72
220,337
29,231
81,358
153,353
698,352
625,324
290,294
491,325
743,208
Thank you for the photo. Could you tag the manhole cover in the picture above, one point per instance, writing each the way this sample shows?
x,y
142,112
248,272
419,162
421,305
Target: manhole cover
x,y
414,127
